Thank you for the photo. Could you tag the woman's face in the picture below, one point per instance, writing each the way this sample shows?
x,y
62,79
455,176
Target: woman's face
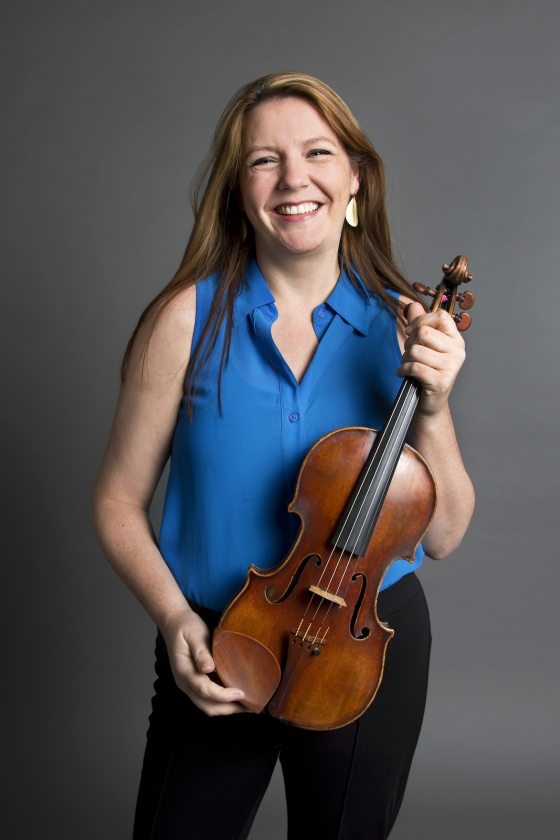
x,y
296,179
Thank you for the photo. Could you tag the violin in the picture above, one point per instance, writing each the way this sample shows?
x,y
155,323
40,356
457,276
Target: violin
x,y
303,639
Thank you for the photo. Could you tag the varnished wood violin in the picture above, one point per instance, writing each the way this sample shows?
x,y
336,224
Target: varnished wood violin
x,y
304,639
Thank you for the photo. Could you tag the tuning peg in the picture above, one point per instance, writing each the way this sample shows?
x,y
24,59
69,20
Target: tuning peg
x,y
463,321
466,300
424,290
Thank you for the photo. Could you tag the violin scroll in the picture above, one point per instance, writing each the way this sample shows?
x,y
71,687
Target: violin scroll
x,y
456,272
446,295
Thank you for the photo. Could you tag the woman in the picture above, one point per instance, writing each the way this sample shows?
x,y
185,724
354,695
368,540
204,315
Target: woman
x,y
282,323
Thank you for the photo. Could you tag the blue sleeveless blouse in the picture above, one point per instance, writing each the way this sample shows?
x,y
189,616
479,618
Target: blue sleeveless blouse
x,y
233,474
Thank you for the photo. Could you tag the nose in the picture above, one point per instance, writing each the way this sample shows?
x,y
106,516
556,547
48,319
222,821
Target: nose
x,y
293,173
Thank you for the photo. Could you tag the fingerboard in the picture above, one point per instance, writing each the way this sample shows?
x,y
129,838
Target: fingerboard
x,y
356,525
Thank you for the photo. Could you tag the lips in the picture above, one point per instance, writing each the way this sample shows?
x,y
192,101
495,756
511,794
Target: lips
x,y
297,209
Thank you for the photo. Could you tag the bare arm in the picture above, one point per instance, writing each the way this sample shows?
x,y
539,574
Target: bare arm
x,y
136,454
433,354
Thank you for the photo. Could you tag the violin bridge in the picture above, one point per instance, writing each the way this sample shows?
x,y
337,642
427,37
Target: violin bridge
x,y
329,596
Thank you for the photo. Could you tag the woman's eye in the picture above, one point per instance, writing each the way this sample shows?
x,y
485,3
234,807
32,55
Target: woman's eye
x,y
319,152
262,162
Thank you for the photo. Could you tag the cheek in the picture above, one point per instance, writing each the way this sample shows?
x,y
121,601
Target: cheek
x,y
347,185
251,197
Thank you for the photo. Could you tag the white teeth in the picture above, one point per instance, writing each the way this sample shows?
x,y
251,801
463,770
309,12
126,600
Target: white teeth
x,y
294,209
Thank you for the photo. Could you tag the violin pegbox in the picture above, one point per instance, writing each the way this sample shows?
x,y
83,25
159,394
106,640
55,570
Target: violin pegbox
x,y
447,296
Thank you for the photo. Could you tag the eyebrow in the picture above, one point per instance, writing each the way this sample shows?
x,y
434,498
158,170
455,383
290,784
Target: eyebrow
x,y
308,142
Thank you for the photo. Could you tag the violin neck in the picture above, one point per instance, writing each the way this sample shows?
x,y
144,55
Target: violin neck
x,y
356,525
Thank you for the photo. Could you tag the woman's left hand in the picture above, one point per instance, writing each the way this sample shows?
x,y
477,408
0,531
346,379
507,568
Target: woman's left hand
x,y
434,352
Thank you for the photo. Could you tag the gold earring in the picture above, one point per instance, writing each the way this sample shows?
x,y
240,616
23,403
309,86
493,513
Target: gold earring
x,y
352,213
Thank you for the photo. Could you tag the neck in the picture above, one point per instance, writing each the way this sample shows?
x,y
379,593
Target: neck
x,y
356,525
307,280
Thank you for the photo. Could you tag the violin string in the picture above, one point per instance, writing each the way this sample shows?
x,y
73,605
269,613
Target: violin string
x,y
342,550
403,411
348,515
350,536
322,599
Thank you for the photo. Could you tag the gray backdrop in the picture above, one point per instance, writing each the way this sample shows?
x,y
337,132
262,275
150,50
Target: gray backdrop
x,y
108,108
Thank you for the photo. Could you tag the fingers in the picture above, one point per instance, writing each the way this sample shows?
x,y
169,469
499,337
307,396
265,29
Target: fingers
x,y
418,355
188,646
434,352
194,644
432,370
416,317
412,311
427,336
435,330
202,658
209,696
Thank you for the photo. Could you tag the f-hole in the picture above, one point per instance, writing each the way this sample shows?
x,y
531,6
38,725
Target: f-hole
x,y
269,592
365,631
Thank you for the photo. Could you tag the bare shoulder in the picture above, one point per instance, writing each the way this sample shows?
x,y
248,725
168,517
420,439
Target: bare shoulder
x,y
179,313
162,347
148,402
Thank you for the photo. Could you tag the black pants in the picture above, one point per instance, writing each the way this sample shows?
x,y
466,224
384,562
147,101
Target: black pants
x,y
203,778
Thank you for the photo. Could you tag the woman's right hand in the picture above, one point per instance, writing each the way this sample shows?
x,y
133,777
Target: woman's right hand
x,y
187,639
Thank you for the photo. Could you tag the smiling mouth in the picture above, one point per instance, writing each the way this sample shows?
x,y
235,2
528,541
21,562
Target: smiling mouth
x,y
297,209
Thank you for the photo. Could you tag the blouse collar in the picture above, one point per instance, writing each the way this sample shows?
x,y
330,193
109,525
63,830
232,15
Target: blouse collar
x,y
351,300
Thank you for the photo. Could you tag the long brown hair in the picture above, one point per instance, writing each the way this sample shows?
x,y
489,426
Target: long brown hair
x,y
222,241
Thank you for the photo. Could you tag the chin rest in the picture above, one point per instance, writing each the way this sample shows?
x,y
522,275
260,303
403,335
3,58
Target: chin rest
x,y
242,662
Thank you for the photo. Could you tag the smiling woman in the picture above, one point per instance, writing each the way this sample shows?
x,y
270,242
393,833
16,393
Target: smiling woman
x,y
295,182
282,323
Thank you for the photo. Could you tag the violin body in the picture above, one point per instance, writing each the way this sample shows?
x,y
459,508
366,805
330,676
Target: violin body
x,y
315,661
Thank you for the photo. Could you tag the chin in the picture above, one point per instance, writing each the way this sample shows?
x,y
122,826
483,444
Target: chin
x,y
303,245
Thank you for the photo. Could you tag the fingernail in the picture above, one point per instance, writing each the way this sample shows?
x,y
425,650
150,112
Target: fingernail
x,y
238,695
